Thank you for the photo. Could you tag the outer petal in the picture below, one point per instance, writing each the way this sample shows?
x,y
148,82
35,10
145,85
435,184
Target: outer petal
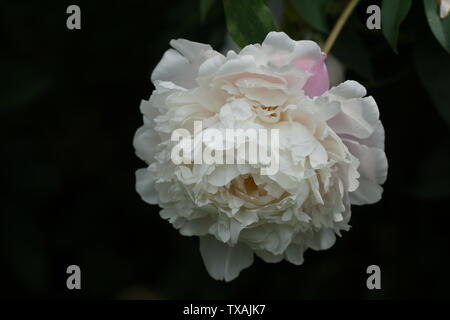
x,y
323,240
269,257
145,143
358,116
376,140
373,162
294,254
181,66
373,169
348,90
145,186
318,82
282,50
304,55
157,103
222,261
196,227
368,192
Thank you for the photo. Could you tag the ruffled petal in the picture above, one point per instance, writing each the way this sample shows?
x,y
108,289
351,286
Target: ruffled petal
x,y
222,261
181,66
145,186
323,239
318,82
145,142
373,170
305,55
294,254
359,116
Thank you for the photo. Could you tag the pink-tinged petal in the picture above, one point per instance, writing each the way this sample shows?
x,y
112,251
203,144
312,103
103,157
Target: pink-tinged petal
x,y
318,82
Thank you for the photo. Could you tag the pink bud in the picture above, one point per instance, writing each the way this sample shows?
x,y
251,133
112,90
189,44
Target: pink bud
x,y
318,82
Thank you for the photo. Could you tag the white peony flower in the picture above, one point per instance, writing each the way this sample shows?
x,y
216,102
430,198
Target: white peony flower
x,y
331,151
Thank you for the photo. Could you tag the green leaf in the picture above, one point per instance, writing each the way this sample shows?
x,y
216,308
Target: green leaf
x,y
439,27
205,7
393,12
248,21
314,12
433,67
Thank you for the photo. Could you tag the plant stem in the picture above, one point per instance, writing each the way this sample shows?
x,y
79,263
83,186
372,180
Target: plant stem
x,y
339,24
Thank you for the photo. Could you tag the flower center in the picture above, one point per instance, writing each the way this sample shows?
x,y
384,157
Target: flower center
x,y
270,114
245,188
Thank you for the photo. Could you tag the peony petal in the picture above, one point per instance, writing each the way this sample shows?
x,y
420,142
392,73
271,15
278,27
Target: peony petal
x,y
237,110
196,227
368,192
282,50
318,82
236,66
318,157
264,96
223,174
348,90
149,111
255,51
222,261
373,162
358,116
294,254
305,55
145,142
328,109
375,140
157,102
276,42
145,186
193,51
278,239
323,239
181,67
269,257
209,67
373,169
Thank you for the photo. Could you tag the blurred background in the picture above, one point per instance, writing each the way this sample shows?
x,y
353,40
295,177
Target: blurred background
x,y
69,107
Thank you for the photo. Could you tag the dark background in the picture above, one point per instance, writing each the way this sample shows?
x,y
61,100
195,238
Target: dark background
x,y
69,107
